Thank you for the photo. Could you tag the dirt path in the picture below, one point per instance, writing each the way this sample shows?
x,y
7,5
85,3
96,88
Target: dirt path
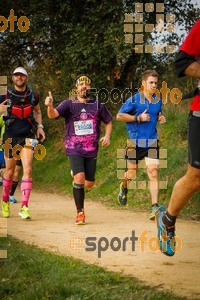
x,y
52,227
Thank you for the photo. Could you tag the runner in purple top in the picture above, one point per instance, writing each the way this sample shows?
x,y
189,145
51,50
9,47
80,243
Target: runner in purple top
x,y
83,126
83,116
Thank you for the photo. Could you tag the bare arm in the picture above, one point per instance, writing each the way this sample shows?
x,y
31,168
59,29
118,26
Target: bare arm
x,y
124,117
193,70
51,111
38,114
106,138
38,119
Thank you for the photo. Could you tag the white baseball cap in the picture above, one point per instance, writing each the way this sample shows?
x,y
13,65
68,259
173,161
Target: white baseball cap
x,y
20,70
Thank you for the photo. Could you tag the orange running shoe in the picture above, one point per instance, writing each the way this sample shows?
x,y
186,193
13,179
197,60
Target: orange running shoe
x,y
80,218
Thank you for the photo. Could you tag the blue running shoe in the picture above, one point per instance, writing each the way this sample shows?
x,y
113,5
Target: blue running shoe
x,y
166,235
12,199
153,212
122,197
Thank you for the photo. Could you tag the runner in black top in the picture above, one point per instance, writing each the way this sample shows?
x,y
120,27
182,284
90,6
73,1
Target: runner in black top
x,y
23,119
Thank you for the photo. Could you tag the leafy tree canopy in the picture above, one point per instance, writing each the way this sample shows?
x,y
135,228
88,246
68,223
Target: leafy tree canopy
x,y
66,38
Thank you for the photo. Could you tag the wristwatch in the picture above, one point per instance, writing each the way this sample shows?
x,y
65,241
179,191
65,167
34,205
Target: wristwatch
x,y
138,119
40,126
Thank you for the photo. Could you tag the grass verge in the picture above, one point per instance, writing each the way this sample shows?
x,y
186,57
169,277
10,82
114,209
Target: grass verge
x,y
30,273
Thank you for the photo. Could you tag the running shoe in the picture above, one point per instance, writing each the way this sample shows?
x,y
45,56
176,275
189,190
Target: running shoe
x,y
12,199
122,197
80,218
5,209
166,235
24,212
153,212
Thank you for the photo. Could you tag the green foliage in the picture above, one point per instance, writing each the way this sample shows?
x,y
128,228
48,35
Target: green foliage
x,y
68,38
29,273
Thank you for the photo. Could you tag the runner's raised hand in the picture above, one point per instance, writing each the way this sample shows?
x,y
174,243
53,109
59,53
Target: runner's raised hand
x,y
3,107
49,100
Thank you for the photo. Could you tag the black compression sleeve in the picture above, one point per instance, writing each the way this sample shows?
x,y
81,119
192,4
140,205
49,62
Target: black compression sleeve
x,y
191,94
182,61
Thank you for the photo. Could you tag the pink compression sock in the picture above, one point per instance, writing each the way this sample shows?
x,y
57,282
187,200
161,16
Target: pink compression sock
x,y
26,187
6,189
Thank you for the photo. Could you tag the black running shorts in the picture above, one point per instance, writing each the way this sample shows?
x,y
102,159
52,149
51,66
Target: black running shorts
x,y
86,165
136,154
194,139
13,145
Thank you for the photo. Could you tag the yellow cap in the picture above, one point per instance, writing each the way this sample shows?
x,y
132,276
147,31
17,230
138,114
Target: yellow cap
x,y
83,78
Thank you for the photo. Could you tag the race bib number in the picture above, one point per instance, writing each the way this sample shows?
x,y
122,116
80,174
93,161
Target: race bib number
x,y
83,127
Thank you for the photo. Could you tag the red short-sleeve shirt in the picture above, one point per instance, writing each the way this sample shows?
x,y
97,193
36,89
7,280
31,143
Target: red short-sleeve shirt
x,y
191,44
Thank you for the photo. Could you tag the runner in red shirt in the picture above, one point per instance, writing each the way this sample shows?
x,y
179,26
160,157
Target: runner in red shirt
x,y
186,64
